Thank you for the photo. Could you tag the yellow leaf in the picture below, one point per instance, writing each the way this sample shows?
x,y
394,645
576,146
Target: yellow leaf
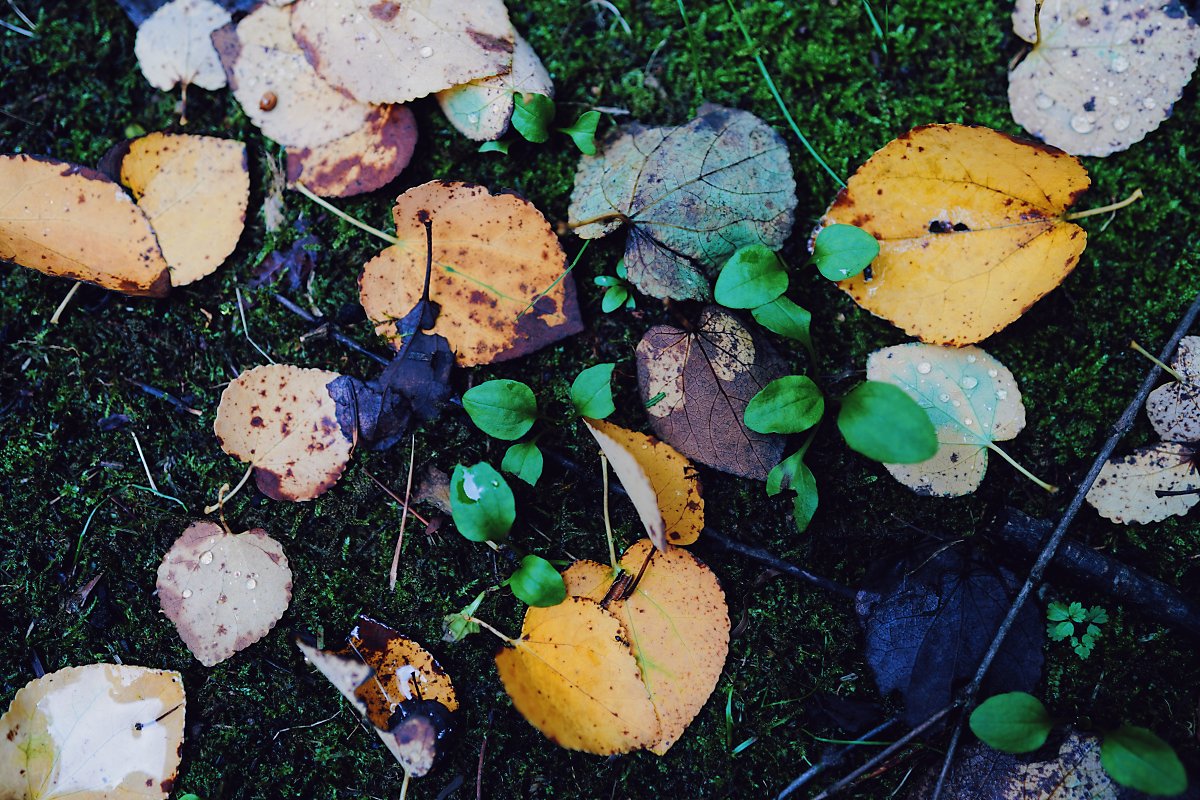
x,y
362,161
661,483
572,676
678,625
971,229
66,220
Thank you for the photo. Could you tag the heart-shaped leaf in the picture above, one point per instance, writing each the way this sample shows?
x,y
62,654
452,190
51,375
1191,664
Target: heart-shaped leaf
x,y
173,45
481,109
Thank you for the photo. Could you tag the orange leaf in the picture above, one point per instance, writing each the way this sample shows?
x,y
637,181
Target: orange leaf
x,y
362,161
971,229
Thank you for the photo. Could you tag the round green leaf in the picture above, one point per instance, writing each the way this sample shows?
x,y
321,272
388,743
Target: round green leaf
x,y
1015,722
843,251
1138,758
785,318
883,423
481,503
525,461
537,583
591,392
753,276
501,408
787,405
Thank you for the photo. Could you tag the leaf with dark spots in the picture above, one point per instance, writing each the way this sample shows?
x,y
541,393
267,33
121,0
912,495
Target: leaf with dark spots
x,y
690,197
362,161
704,381
928,622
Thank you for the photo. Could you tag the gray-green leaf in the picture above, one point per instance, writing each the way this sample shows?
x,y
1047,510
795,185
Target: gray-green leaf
x,y
787,405
843,251
753,276
591,392
883,423
1015,722
501,408
481,503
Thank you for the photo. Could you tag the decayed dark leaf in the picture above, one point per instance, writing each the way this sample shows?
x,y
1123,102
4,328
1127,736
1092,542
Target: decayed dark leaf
x,y
297,262
690,196
929,621
696,387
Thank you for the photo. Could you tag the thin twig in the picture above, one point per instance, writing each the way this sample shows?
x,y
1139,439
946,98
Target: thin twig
x,y
246,328
774,562
412,453
145,466
24,17
16,29
482,750
66,301
612,550
334,334
835,757
395,497
310,725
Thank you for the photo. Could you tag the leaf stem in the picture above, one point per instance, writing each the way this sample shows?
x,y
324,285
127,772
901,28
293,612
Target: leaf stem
x,y
1172,372
145,466
612,551
304,190
489,629
412,452
1092,212
223,498
1037,22
996,449
66,301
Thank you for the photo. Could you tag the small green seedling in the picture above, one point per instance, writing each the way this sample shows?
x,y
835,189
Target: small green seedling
x,y
481,503
1015,722
524,459
461,624
1076,623
591,392
537,583
501,408
843,251
883,423
533,115
497,146
752,277
583,132
618,291
791,404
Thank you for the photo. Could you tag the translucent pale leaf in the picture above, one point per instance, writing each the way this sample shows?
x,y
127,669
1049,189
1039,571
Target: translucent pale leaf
x,y
1126,488
173,45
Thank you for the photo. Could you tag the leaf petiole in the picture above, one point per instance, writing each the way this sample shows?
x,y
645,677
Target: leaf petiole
x,y
304,190
1170,371
1000,452
1092,212
489,628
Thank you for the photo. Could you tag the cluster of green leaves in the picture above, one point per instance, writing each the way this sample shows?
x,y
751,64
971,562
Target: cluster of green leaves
x,y
618,291
1078,624
533,118
1018,722
876,419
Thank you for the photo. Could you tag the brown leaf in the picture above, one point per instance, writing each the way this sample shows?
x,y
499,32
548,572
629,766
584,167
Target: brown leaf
x,y
71,221
223,591
195,191
173,45
492,255
697,385
362,161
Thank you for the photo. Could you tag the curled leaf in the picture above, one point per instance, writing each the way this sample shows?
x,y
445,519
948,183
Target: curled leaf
x,y
361,161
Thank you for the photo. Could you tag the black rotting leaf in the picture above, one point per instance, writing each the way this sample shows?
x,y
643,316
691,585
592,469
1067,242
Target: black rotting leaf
x,y
296,262
928,622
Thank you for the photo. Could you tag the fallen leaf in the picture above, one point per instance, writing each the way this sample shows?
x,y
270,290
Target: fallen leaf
x,y
690,197
1126,490
697,385
972,400
1104,74
678,624
971,229
71,221
662,484
223,591
363,161
277,88
492,255
139,11
297,262
928,622
394,51
173,45
1174,408
572,676
284,421
481,109
195,191
94,732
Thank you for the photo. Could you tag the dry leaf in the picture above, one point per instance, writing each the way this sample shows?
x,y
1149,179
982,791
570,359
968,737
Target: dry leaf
x,y
690,196
972,399
99,732
1174,408
195,191
71,221
173,45
282,419
696,387
393,51
492,255
276,86
362,161
1126,489
678,624
971,229
661,483
482,108
571,674
1104,74
223,591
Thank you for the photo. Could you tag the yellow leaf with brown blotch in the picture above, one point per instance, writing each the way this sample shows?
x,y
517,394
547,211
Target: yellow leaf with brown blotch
x,y
362,161
971,225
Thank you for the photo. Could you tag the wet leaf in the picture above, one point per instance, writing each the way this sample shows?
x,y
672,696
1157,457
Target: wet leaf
x,y
1126,490
394,51
481,503
71,221
790,404
1015,722
678,625
537,583
284,421
690,196
525,461
1138,758
970,397
961,256
532,115
883,423
501,408
1174,408
753,276
929,621
361,161
591,392
481,109
660,482
223,591
492,255
843,251
706,379
572,676
195,191
173,45
1104,74
92,733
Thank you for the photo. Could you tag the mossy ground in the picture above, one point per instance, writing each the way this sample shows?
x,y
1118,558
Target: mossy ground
x,y
72,91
